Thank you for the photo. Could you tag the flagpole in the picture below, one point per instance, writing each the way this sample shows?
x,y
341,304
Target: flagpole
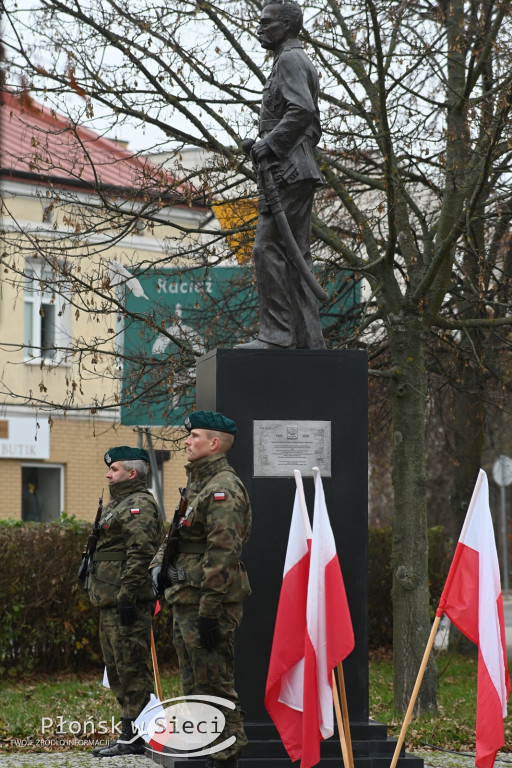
x,y
344,709
156,673
414,696
339,720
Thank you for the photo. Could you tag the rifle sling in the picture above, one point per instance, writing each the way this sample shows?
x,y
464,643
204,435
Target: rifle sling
x,y
110,554
192,547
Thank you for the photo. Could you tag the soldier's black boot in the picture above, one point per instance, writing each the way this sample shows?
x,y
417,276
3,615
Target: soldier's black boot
x,y
128,742
98,749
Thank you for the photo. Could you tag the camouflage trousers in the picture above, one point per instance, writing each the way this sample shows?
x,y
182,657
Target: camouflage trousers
x,y
126,652
211,672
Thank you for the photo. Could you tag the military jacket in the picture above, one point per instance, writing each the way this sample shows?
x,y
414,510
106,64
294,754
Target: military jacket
x,y
289,116
217,520
131,530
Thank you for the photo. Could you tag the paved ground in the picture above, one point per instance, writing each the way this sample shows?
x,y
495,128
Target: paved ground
x,y
71,760
85,760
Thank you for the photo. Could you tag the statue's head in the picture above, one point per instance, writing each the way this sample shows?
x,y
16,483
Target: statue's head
x,y
280,20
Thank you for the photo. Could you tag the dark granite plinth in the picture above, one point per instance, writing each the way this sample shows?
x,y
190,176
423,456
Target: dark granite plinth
x,y
296,385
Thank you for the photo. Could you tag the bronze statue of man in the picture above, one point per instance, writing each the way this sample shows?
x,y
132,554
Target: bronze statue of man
x,y
289,129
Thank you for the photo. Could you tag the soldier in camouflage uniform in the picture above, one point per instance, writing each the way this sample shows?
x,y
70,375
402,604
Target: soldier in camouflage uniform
x,y
130,531
209,581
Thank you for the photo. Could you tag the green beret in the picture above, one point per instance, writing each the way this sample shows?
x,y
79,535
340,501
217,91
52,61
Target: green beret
x,y
210,420
125,453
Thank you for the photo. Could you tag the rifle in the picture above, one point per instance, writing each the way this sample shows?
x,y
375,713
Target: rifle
x,y
90,547
171,542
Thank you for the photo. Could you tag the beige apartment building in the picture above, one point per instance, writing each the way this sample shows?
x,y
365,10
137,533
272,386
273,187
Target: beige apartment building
x,y
64,248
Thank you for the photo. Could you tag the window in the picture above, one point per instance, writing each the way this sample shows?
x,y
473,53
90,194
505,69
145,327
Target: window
x,y
47,315
42,492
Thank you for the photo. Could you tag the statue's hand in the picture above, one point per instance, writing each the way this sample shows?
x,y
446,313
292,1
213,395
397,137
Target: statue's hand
x,y
260,150
247,145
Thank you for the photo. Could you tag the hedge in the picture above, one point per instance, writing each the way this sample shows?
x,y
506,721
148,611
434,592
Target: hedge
x,y
48,624
380,580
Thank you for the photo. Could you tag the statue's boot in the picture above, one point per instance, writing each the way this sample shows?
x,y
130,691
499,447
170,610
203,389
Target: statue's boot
x,y
260,344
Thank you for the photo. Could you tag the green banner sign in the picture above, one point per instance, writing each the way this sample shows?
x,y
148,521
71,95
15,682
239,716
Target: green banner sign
x,y
187,312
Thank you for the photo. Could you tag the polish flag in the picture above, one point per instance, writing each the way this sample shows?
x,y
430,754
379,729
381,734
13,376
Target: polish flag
x,y
152,724
284,689
472,600
159,734
329,637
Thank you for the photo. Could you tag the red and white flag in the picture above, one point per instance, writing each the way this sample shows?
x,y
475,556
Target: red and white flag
x,y
285,679
152,724
329,637
472,600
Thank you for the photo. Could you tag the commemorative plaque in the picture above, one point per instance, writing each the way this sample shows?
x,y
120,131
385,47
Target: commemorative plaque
x,y
280,447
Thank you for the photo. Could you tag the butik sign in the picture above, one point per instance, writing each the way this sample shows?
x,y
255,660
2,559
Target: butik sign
x,y
24,437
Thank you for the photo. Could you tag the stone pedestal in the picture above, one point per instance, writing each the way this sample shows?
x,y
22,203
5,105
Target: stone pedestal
x,y
299,385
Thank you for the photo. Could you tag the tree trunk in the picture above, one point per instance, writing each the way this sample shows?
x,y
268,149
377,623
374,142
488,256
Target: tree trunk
x,y
469,406
410,543
468,439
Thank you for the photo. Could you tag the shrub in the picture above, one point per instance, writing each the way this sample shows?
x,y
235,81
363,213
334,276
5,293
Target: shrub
x,y
48,623
380,609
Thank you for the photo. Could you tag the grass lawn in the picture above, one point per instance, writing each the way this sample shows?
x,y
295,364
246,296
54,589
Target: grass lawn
x,y
78,712
453,727
61,713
